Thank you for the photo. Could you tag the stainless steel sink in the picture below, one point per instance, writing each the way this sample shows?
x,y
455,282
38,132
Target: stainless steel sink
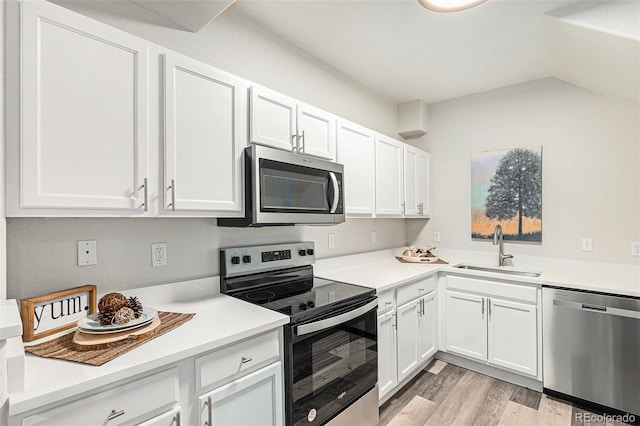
x,y
498,270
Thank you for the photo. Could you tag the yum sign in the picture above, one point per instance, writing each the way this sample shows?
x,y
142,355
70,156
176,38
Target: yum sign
x,y
50,313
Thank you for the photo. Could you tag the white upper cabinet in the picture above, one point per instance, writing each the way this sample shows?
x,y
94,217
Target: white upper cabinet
x,y
416,182
389,176
83,111
282,122
204,137
273,119
356,151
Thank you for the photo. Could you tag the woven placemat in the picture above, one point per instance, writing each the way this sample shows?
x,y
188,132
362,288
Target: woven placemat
x,y
62,347
439,261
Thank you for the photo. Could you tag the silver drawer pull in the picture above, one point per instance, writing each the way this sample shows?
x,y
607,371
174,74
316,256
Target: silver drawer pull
x,y
387,303
421,289
115,414
246,359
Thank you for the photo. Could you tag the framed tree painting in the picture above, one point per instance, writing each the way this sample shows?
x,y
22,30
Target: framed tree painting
x,y
506,189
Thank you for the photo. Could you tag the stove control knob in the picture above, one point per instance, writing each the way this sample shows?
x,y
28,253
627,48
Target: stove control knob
x,y
303,307
311,304
302,252
246,259
310,252
235,260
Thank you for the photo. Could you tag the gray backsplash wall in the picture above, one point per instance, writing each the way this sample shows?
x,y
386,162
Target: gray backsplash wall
x,y
42,253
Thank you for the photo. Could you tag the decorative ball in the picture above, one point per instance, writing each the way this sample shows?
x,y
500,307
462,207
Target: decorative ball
x,y
112,302
124,316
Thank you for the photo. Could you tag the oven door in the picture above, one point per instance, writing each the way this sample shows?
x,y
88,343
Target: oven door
x,y
294,189
334,361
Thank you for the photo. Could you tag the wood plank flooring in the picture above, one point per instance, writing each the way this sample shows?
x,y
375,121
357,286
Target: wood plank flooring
x,y
444,394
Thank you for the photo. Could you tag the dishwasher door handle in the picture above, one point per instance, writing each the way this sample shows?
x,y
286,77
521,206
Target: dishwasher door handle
x,y
607,310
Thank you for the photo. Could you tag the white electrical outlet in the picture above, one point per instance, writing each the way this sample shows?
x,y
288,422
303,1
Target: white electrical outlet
x,y
373,237
635,248
87,253
587,244
436,236
331,241
159,254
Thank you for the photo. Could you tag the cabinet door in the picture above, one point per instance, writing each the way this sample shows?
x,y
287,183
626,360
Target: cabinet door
x,y
411,181
423,183
356,151
427,327
317,132
203,137
407,323
170,418
466,324
387,368
389,159
255,399
272,119
84,112
513,335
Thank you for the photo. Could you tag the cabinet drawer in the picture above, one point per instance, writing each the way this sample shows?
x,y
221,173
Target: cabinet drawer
x,y
526,293
219,365
385,302
415,290
124,404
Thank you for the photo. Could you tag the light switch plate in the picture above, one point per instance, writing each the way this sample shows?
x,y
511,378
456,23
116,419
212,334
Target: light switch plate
x,y
635,248
373,237
331,240
87,253
436,236
587,244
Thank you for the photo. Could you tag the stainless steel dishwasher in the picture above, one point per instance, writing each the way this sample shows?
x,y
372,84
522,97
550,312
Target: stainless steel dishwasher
x,y
591,348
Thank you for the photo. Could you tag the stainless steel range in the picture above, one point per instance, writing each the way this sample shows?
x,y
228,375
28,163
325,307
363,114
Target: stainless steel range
x,y
330,347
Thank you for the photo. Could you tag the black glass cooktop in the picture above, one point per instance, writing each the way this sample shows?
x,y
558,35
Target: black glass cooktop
x,y
307,297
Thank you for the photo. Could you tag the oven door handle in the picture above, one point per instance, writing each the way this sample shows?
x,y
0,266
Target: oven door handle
x,y
336,192
301,330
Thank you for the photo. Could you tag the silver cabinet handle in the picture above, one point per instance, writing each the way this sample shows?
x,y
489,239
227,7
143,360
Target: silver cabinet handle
x,y
172,187
393,320
402,209
483,308
301,148
145,202
209,414
246,359
336,192
421,289
422,303
114,414
387,303
489,302
176,418
295,143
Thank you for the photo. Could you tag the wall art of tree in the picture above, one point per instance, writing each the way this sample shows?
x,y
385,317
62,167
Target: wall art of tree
x,y
513,197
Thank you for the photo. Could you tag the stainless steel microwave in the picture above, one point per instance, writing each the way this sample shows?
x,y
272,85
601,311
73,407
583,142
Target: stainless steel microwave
x,y
286,188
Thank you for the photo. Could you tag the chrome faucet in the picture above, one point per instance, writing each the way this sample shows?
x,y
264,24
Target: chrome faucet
x,y
498,239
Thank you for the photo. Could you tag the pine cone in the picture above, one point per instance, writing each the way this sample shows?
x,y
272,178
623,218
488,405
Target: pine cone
x,y
134,304
106,318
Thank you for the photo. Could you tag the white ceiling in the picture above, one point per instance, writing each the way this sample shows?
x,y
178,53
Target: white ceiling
x,y
405,52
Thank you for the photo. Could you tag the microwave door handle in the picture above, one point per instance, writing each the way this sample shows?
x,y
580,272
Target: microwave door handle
x,y
301,330
336,192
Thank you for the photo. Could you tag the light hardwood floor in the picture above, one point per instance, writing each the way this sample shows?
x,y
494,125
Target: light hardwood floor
x,y
443,394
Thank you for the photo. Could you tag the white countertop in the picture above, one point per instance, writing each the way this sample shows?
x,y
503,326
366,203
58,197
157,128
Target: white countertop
x,y
219,321
10,323
381,271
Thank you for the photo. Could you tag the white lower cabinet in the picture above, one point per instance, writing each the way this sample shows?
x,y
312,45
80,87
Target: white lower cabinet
x,y
170,418
483,323
140,401
387,370
406,334
416,334
254,399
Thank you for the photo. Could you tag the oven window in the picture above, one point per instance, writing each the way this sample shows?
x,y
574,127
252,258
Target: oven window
x,y
334,367
286,187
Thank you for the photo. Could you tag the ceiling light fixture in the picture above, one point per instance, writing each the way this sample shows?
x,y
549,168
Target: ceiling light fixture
x,y
449,5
